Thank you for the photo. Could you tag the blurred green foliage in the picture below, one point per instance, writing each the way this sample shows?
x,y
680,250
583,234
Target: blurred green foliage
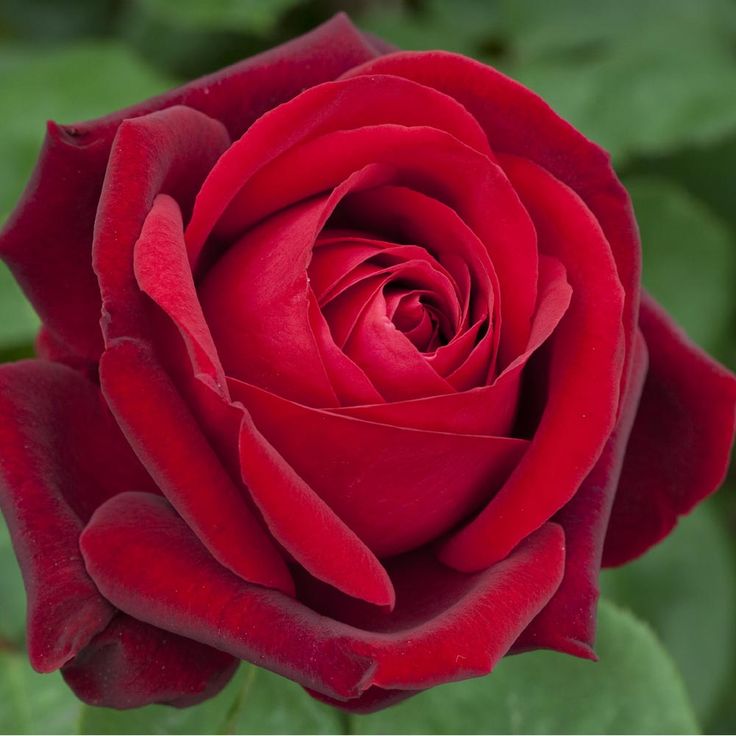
x,y
654,82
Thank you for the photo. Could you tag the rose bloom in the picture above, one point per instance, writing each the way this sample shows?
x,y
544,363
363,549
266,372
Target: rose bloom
x,y
345,371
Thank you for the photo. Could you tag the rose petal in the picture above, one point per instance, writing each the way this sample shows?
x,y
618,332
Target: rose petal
x,y
172,447
520,123
306,526
61,455
162,271
425,159
396,488
488,410
169,151
568,622
148,563
584,377
680,445
131,664
256,300
323,109
47,241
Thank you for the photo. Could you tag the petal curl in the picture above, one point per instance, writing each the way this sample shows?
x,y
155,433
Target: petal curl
x,y
451,626
169,151
162,272
520,123
396,488
584,376
131,664
171,445
681,442
306,526
568,622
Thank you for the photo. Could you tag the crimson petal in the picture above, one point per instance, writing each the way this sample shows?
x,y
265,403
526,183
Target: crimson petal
x,y
585,376
200,489
396,488
61,455
146,560
568,621
169,151
681,441
520,123
131,664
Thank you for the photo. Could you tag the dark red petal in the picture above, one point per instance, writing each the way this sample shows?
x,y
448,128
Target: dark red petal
x,y
451,626
372,700
61,455
323,109
349,381
681,441
568,621
47,241
520,123
256,300
426,159
162,271
306,526
489,410
396,488
169,151
387,356
258,305
162,431
584,377
131,664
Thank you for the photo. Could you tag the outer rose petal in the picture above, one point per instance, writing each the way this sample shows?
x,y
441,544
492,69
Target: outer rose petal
x,y
172,446
681,441
61,455
584,377
162,271
450,626
47,241
568,621
168,151
131,664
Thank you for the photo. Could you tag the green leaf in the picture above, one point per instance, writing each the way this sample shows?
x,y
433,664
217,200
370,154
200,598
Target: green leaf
x,y
67,84
256,701
463,26
32,703
19,323
188,38
689,259
254,16
12,594
46,20
634,688
686,589
275,705
637,76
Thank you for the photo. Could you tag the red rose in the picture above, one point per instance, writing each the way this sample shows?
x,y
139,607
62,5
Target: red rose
x,y
373,395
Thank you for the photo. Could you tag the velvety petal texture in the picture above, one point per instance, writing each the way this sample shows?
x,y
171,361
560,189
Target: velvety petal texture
x,y
131,664
149,563
345,372
61,456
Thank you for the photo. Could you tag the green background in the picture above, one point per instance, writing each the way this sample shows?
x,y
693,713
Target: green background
x,y
653,81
